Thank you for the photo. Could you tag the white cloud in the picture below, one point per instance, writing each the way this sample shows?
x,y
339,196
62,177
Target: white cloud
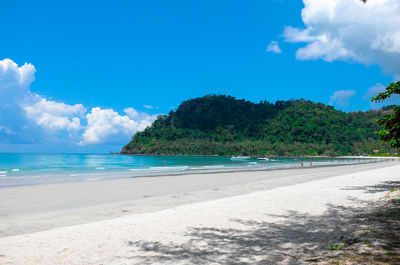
x,y
132,113
26,117
148,106
31,117
106,125
350,30
6,130
55,115
274,47
374,91
12,76
143,119
341,97
14,91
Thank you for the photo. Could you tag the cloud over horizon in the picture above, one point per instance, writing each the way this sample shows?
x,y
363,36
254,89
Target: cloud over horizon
x,y
350,31
26,117
341,97
106,125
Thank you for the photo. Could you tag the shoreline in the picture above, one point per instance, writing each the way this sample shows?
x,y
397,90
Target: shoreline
x,y
288,156
122,175
264,219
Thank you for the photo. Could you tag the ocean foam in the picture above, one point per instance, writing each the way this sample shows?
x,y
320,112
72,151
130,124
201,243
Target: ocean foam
x,y
170,168
15,170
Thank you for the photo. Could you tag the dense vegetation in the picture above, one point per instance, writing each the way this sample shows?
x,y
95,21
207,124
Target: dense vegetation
x,y
390,131
224,125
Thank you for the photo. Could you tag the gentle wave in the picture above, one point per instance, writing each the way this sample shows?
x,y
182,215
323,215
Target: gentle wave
x,y
207,167
48,168
170,168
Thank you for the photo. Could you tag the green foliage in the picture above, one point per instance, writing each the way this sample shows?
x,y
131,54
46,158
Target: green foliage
x,y
390,131
224,125
337,247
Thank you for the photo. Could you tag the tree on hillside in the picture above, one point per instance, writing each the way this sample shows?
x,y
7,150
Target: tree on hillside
x,y
390,131
224,125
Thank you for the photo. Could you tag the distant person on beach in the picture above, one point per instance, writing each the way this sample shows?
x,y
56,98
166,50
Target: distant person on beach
x,y
302,163
310,163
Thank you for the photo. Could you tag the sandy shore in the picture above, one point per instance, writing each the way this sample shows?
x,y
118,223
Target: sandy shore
x,y
228,218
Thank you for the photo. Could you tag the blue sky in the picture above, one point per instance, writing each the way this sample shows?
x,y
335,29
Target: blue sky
x,y
94,56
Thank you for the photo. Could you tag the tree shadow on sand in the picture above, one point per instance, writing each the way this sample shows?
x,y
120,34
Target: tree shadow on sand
x,y
293,240
382,187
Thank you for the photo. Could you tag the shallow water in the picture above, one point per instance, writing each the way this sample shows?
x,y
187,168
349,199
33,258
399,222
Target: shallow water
x,y
32,169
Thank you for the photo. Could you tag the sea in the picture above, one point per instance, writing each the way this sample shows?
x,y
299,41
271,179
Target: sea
x,y
36,169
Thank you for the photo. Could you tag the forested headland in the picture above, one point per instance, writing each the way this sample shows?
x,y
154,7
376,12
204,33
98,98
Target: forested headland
x,y
224,125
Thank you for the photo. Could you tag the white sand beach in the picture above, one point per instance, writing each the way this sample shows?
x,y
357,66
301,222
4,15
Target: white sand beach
x,y
227,218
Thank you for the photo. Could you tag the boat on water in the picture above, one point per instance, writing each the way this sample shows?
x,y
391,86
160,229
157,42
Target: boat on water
x,y
264,159
237,157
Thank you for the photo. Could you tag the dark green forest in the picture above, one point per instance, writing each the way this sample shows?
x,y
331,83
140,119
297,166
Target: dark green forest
x,y
224,125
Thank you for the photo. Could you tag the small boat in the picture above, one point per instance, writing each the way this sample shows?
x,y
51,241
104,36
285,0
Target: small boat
x,y
264,158
240,157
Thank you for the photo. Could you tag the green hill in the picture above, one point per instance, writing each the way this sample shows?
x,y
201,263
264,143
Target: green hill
x,y
224,125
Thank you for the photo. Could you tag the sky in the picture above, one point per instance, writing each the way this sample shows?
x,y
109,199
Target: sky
x,y
84,76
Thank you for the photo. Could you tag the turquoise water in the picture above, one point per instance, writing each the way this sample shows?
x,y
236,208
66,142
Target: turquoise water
x,y
31,169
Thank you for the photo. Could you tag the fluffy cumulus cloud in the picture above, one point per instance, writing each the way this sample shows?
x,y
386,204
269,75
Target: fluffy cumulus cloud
x,y
350,30
55,115
26,117
273,47
106,125
342,97
14,94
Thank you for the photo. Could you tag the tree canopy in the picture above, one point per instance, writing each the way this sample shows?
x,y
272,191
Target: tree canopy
x,y
224,125
390,131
